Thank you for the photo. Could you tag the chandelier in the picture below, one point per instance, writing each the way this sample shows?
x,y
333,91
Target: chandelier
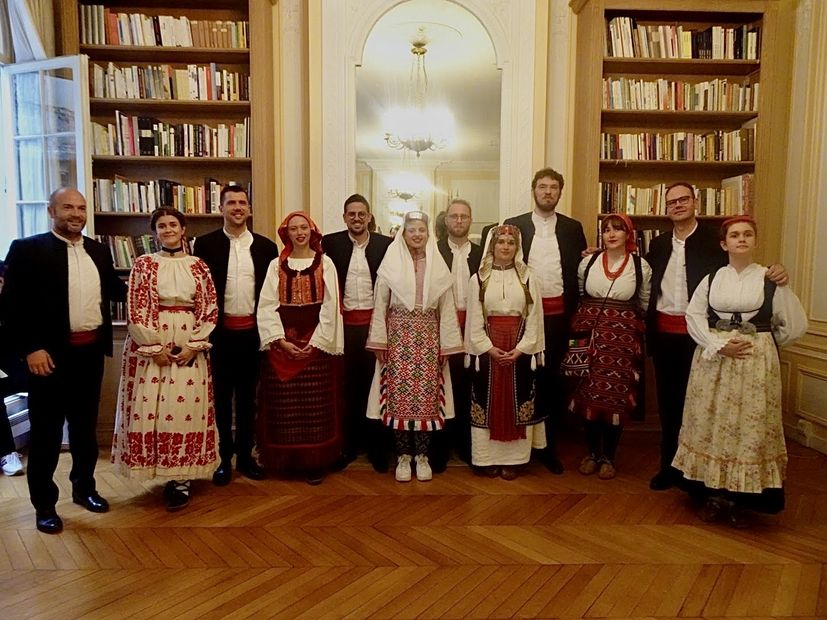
x,y
419,127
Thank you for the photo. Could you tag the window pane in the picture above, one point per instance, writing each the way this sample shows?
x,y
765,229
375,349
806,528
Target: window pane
x,y
61,168
33,218
58,101
27,111
30,181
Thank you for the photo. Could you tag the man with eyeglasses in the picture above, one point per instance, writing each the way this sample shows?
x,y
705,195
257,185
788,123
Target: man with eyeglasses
x,y
680,259
356,252
552,245
463,259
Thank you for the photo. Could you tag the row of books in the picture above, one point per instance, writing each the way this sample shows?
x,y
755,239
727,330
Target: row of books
x,y
718,95
736,145
126,249
194,83
625,38
120,195
140,135
102,26
735,196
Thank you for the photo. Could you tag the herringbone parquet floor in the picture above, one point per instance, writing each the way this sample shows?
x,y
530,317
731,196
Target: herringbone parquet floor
x,y
361,545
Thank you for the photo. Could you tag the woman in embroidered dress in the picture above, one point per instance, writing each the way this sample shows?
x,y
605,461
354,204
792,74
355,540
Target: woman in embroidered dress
x,y
614,285
300,326
504,335
413,328
731,446
165,422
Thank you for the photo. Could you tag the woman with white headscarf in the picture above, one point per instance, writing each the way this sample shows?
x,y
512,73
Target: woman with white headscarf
x,y
505,337
413,328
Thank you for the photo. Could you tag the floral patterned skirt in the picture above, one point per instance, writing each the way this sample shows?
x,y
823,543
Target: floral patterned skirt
x,y
732,436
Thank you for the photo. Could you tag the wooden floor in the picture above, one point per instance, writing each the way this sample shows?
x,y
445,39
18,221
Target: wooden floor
x,y
361,545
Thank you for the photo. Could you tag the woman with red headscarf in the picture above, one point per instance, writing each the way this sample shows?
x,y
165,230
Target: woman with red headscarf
x,y
300,326
731,446
614,285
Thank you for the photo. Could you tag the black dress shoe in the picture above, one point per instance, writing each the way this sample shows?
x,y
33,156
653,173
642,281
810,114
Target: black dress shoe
x,y
343,461
438,466
661,481
93,502
222,476
177,494
48,522
552,463
379,462
315,477
252,470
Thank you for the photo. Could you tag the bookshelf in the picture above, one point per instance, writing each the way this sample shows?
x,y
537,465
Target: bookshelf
x,y
173,116
680,90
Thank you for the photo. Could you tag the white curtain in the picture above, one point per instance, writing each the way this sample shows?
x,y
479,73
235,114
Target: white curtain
x,y
33,29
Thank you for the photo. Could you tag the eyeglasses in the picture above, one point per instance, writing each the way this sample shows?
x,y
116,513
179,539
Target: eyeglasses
x,y
360,216
680,200
457,216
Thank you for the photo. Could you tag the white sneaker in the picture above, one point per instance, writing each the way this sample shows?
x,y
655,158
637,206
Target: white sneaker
x,y
11,464
403,468
423,469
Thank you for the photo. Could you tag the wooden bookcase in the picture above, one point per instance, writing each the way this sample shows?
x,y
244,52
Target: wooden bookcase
x,y
770,69
256,61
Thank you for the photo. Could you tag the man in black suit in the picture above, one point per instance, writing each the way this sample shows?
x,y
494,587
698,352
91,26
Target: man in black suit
x,y
680,260
552,246
238,260
56,307
357,253
458,219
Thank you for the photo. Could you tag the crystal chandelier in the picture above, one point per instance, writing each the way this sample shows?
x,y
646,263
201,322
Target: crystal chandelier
x,y
419,127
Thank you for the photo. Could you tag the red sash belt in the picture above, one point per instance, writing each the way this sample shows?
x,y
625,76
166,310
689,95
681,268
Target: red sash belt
x,y
357,317
461,315
175,308
81,339
670,323
237,323
553,305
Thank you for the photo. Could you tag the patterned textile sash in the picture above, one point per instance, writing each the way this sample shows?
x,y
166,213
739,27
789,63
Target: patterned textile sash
x,y
299,323
609,392
461,316
357,317
238,323
553,306
176,309
504,332
412,394
82,339
670,323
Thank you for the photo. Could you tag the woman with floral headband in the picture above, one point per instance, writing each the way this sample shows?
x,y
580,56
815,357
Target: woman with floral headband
x,y
731,447
413,329
504,338
300,326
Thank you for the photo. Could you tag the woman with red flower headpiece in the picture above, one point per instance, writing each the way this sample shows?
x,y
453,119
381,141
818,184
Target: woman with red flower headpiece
x,y
731,446
614,287
300,326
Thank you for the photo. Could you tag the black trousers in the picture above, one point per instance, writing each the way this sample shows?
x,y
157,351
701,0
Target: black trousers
x,y
360,432
551,389
672,356
71,393
457,434
6,436
235,367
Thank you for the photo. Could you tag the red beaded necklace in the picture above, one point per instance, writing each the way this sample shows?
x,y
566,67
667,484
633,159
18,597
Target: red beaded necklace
x,y
613,275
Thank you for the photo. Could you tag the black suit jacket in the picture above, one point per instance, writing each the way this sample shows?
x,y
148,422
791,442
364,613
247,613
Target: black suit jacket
x,y
35,299
214,249
570,239
339,248
703,256
474,256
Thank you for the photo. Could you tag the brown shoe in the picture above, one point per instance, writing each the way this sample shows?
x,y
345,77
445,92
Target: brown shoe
x,y
607,471
588,465
509,473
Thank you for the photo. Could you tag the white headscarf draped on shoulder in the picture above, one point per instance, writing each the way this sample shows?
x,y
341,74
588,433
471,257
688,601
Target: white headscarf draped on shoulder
x,y
397,268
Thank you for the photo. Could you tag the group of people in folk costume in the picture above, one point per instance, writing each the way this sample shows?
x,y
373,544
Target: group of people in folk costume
x,y
355,341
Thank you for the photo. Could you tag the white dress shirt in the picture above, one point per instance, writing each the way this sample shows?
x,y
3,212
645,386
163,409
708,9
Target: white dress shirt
x,y
460,272
544,258
240,293
358,293
674,297
84,288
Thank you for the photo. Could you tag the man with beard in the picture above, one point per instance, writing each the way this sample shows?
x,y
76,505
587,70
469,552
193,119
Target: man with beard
x,y
357,253
238,260
552,246
56,309
463,259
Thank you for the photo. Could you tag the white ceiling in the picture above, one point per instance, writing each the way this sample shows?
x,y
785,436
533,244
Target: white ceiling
x,y
462,74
